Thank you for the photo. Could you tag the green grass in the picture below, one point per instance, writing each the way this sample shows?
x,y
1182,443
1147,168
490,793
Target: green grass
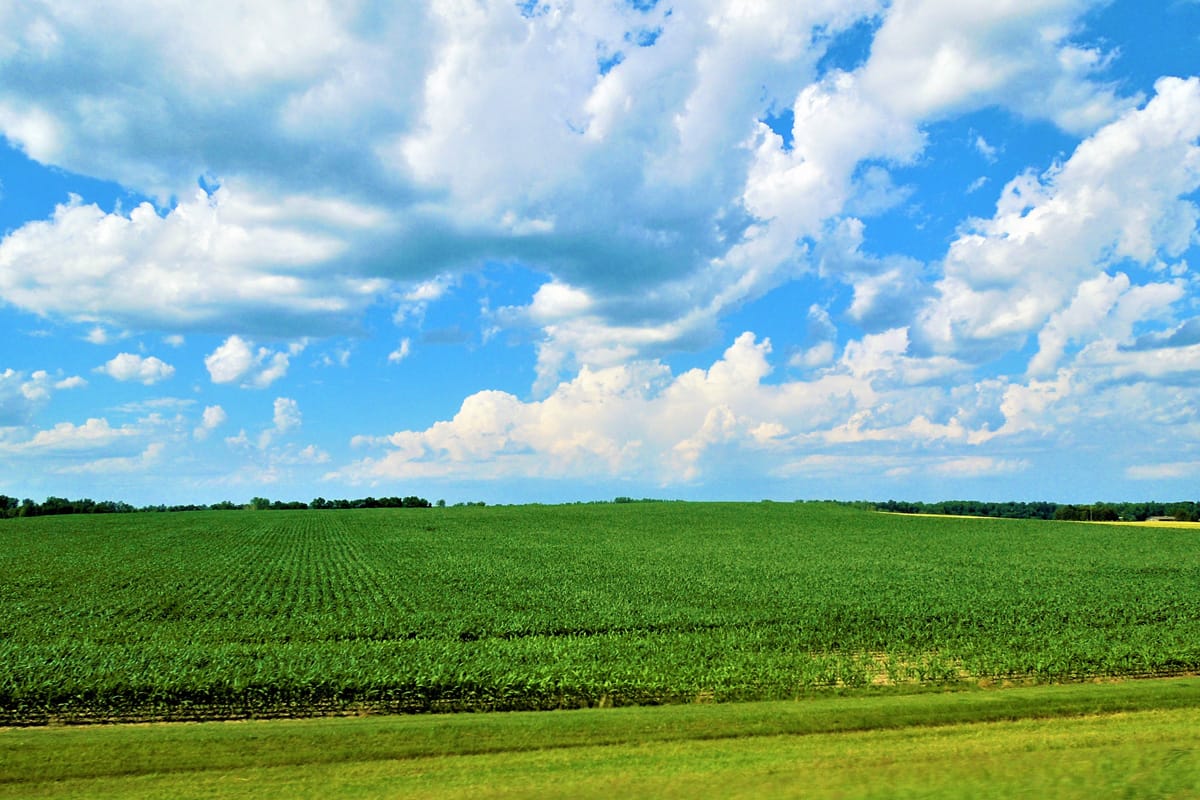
x,y
244,613
1131,739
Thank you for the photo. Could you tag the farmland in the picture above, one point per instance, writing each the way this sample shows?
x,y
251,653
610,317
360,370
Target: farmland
x,y
220,614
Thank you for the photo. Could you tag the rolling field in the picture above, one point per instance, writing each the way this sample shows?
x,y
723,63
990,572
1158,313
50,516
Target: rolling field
x,y
226,614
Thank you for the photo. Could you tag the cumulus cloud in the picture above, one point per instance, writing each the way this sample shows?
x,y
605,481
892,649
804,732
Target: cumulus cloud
x,y
934,57
657,169
232,258
212,418
95,433
132,367
287,414
22,395
617,148
637,419
1123,194
875,409
238,361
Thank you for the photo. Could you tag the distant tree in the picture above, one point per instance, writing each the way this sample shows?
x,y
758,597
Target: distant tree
x,y
1068,513
1183,512
259,503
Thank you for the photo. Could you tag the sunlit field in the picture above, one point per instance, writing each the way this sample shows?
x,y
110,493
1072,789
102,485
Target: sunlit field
x,y
293,613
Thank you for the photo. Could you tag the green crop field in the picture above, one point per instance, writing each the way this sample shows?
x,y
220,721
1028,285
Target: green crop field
x,y
239,613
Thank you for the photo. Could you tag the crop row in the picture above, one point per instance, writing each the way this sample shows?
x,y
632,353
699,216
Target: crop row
x,y
538,607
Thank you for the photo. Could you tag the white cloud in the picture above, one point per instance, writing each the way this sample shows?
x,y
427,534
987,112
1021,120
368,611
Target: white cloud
x,y
285,418
1123,194
988,151
237,361
340,357
974,467
384,147
233,258
287,414
307,455
638,420
401,352
147,459
22,395
1169,470
95,433
1104,312
241,440
384,152
212,418
416,299
934,57
132,367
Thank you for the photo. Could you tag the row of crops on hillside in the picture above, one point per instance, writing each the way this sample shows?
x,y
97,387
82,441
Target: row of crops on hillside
x,y
232,614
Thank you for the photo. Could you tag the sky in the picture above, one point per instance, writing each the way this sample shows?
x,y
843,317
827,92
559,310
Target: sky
x,y
549,251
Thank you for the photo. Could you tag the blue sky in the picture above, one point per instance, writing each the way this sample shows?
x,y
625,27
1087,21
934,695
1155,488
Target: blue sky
x,y
561,251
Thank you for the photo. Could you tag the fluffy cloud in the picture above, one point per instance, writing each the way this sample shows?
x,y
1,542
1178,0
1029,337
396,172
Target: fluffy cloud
x,y
638,419
875,410
132,367
22,395
212,418
658,169
229,258
237,361
1122,195
95,433
287,414
617,148
935,57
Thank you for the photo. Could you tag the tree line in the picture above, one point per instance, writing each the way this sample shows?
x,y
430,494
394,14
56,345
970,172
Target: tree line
x,y
53,506
1184,511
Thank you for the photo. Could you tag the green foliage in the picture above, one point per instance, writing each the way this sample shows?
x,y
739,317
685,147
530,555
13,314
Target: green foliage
x,y
58,506
196,614
1097,512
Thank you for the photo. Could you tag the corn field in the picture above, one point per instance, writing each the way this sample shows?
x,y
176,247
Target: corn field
x,y
240,613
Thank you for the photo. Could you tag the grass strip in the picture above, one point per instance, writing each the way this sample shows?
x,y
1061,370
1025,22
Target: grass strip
x,y
1133,755
41,756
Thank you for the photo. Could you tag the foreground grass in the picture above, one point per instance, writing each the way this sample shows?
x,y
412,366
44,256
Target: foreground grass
x,y
1135,739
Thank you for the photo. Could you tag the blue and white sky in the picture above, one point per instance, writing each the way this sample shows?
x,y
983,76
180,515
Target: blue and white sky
x,y
553,251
